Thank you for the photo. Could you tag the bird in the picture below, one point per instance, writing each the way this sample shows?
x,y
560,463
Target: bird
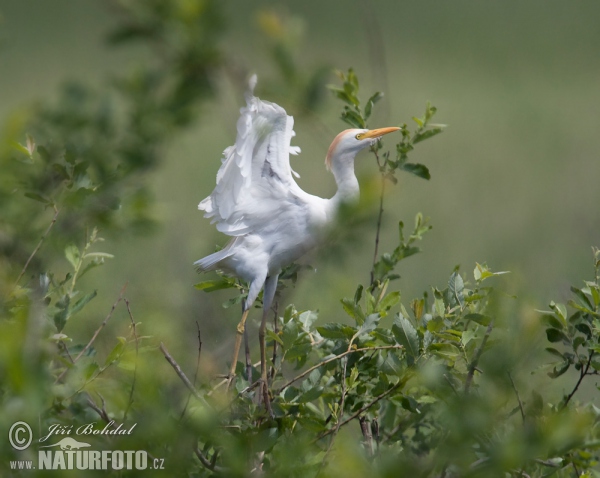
x,y
256,201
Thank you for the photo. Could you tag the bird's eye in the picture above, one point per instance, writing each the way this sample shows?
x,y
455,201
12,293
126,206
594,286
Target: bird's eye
x,y
359,136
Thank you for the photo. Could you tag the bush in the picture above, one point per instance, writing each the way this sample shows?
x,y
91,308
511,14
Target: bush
x,y
451,383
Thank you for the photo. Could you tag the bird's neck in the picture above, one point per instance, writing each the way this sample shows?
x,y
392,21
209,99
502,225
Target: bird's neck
x,y
342,168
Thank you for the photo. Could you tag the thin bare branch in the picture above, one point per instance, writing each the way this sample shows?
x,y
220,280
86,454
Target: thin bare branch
x,y
136,361
37,248
209,465
181,374
518,397
379,217
100,411
332,359
582,373
361,410
89,344
339,421
475,361
196,371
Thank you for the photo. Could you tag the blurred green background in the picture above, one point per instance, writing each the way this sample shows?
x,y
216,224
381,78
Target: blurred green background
x,y
514,177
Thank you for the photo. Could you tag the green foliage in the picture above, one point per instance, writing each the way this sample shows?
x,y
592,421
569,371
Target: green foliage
x,y
434,386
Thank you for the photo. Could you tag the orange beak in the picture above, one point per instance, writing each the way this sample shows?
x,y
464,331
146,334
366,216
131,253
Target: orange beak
x,y
377,133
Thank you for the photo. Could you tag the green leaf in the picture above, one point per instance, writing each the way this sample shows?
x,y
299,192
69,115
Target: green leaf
x,y
336,331
116,352
273,336
583,309
290,333
553,351
308,318
419,170
456,286
310,395
422,136
435,324
358,294
552,321
479,318
371,102
444,350
561,311
73,255
555,335
559,369
353,118
353,310
584,298
99,254
80,304
370,324
38,197
406,335
343,95
215,284
389,301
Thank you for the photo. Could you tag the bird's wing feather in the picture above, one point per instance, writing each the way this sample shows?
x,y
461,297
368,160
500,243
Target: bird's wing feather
x,y
255,177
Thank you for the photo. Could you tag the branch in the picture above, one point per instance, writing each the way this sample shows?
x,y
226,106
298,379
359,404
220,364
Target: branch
x,y
338,424
478,352
136,361
89,344
379,217
181,374
361,410
332,359
100,411
518,397
209,465
37,248
582,374
196,371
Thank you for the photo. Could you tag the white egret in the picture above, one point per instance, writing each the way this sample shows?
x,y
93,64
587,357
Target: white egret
x,y
257,201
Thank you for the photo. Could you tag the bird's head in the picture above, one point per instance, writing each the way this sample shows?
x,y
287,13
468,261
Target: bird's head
x,y
349,142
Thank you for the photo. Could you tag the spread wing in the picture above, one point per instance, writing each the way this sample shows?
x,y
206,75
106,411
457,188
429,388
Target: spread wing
x,y
255,179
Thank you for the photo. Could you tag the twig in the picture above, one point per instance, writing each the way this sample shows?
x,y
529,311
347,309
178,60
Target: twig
x,y
181,374
365,429
136,361
518,397
240,393
196,371
100,411
361,410
379,218
37,248
338,422
89,344
332,359
582,374
478,352
208,464
451,384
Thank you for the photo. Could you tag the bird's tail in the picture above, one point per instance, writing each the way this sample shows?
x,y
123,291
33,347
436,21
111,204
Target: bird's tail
x,y
211,262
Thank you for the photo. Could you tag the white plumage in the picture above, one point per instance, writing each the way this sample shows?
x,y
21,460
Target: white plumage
x,y
257,201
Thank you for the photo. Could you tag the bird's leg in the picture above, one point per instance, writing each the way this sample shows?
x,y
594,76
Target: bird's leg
x,y
268,295
248,361
253,291
238,342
